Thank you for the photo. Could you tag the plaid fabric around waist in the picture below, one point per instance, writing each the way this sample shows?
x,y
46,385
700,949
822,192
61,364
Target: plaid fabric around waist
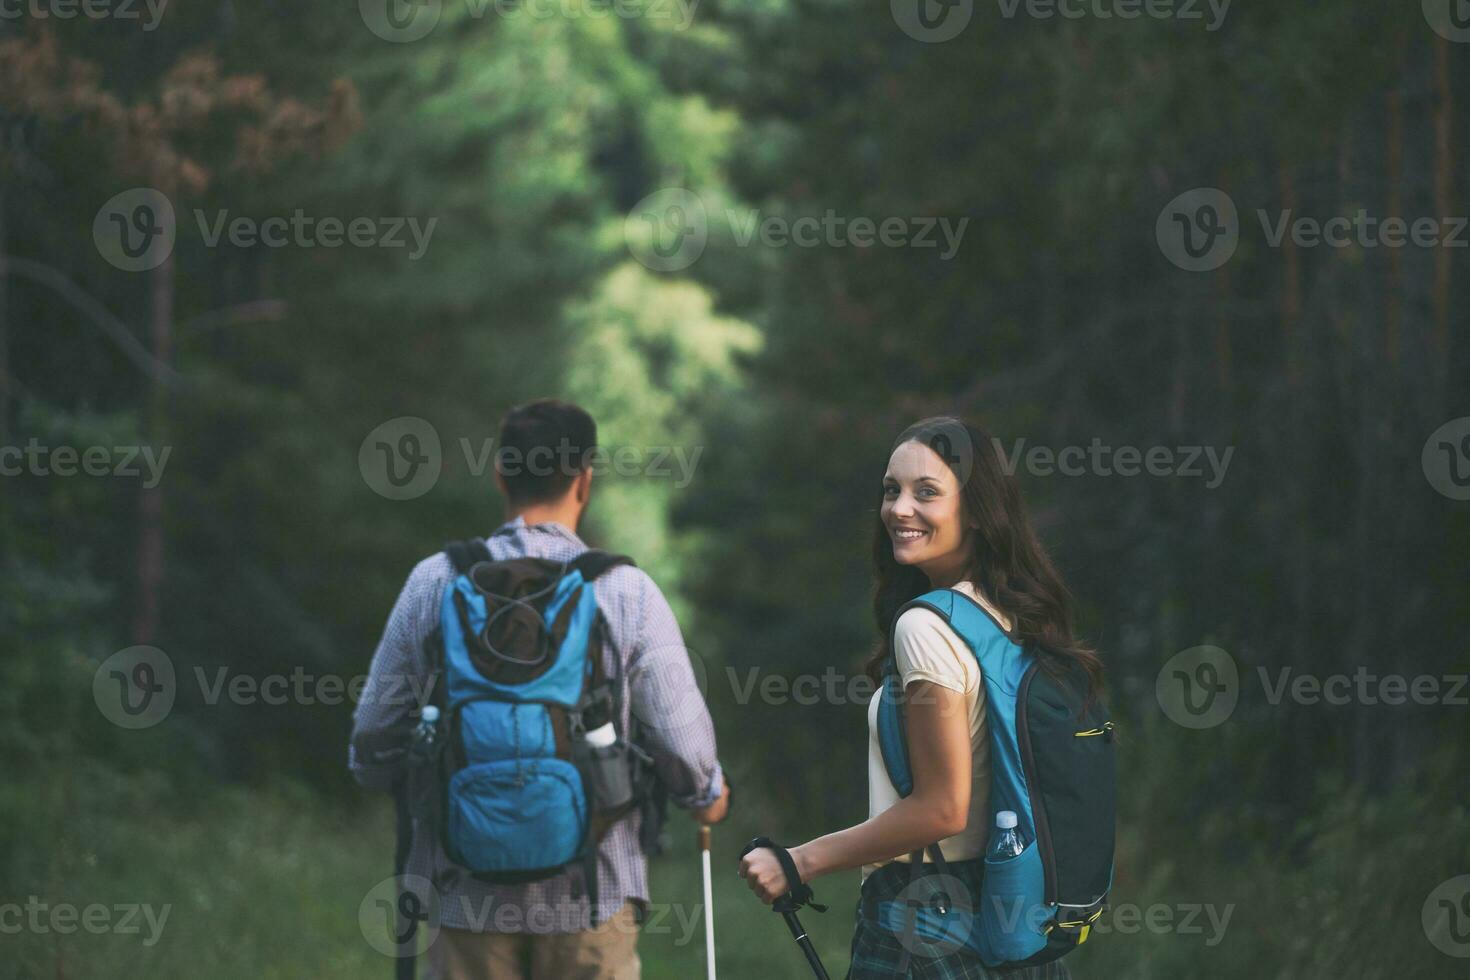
x,y
920,927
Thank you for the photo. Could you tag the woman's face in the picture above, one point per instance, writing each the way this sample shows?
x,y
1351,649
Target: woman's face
x,y
922,513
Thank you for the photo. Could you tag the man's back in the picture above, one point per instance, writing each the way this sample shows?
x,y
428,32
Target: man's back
x,y
657,695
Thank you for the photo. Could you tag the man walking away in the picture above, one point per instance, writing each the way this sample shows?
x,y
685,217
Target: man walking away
x,y
579,921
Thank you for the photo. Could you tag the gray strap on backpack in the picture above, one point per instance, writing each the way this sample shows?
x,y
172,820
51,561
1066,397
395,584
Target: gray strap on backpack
x,y
912,905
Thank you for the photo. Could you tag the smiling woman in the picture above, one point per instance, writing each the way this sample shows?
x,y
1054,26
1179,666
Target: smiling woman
x,y
951,526
954,469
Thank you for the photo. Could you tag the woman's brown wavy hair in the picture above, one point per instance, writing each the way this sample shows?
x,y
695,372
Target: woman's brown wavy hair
x,y
1009,565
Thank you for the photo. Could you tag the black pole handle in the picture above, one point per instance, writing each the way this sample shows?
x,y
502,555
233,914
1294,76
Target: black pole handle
x,y
798,892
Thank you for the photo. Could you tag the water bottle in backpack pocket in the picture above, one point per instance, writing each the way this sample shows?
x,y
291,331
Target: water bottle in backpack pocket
x,y
610,766
1011,913
425,744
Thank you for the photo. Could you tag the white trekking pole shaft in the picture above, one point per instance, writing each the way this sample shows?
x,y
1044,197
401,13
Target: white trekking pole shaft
x,y
709,905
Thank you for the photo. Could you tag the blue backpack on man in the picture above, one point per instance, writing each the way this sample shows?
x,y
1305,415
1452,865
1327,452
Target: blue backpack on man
x,y
530,767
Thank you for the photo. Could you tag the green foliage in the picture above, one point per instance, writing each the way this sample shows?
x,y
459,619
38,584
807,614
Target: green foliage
x,y
780,375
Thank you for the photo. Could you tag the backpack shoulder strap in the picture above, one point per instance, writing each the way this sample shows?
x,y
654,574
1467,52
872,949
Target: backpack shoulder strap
x,y
464,555
593,562
892,737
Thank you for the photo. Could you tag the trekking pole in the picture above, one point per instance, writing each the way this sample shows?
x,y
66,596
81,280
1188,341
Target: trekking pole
x,y
709,905
787,907
799,894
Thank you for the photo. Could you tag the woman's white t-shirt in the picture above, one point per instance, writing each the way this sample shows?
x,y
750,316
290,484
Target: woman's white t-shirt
x,y
926,648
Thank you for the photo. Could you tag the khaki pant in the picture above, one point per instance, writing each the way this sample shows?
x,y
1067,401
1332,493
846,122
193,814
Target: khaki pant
x,y
609,952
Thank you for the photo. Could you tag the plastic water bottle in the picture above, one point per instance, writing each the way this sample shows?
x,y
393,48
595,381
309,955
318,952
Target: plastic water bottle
x,y
599,733
602,736
426,733
1008,843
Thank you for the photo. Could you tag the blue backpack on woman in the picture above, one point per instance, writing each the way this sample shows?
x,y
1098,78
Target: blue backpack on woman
x,y
1052,763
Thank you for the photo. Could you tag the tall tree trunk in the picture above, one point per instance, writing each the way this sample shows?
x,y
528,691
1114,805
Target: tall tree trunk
x,y
1300,751
1291,291
1395,164
151,540
1444,107
1222,321
4,329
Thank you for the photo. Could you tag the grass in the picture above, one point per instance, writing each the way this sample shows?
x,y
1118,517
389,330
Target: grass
x,y
265,883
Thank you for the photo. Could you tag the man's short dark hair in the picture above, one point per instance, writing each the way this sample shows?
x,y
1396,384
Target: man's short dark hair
x,y
543,446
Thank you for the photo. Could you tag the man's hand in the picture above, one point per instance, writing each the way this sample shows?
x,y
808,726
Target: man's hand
x,y
717,810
